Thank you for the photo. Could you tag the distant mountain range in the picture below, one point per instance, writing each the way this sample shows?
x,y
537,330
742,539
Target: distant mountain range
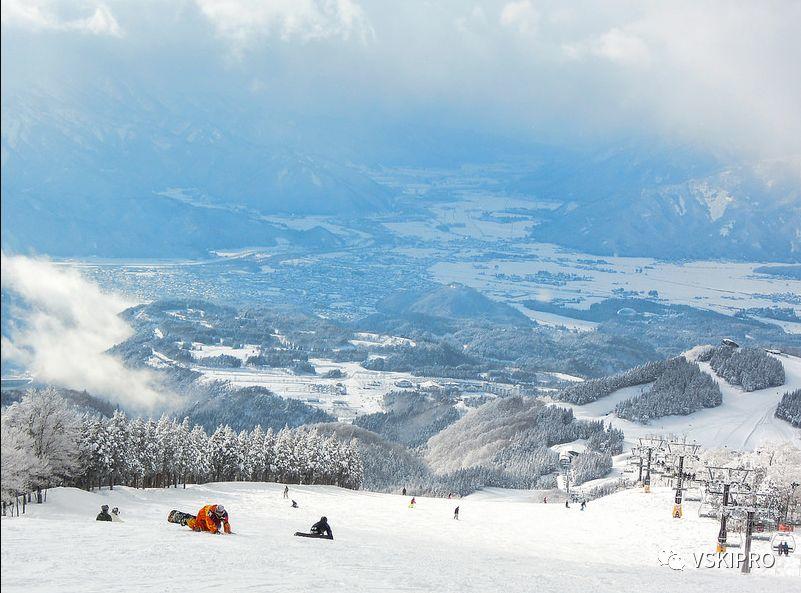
x,y
113,172
667,207
117,171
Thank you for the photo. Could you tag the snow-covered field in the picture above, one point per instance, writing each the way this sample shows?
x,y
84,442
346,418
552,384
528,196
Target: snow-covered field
x,y
358,391
743,421
721,286
503,541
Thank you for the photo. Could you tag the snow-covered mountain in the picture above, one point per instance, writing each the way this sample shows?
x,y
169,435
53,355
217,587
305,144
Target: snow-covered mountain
x,y
122,169
113,171
750,211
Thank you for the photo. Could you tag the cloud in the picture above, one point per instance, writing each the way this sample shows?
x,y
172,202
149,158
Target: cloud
x,y
246,22
615,45
520,15
63,328
52,15
711,74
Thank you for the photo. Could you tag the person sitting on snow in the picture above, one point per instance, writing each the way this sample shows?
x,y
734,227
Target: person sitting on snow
x,y
103,515
294,505
115,515
211,518
322,528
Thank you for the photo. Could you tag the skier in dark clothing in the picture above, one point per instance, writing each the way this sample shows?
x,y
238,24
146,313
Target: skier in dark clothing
x,y
567,504
294,505
286,491
456,513
403,492
583,504
104,516
322,528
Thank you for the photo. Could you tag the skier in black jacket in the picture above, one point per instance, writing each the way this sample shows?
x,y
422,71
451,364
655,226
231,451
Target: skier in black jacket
x,y
322,528
104,516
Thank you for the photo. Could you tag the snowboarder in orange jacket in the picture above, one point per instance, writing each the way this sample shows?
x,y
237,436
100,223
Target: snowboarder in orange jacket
x,y
211,518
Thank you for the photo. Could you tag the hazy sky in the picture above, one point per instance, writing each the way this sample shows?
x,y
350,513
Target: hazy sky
x,y
724,75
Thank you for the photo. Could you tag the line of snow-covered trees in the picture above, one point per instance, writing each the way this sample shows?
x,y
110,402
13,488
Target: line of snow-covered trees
x,y
594,389
789,407
751,368
45,443
682,388
590,465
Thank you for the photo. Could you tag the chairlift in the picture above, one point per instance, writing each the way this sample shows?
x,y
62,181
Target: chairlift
x,y
782,537
707,510
693,495
734,540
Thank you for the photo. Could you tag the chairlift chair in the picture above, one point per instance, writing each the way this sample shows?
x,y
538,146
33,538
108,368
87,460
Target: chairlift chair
x,y
693,495
707,510
781,537
734,539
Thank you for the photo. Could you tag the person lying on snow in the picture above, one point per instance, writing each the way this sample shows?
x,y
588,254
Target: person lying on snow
x,y
211,518
322,528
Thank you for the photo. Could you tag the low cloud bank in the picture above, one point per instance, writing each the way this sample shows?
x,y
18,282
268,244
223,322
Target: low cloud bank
x,y
61,326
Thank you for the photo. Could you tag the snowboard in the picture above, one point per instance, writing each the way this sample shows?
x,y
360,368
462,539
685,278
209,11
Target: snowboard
x,y
312,535
179,517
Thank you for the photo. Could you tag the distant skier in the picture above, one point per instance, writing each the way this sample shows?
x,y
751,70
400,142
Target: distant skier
x,y
544,500
212,518
583,504
103,515
286,491
294,505
456,513
567,504
412,503
450,495
403,492
115,515
321,530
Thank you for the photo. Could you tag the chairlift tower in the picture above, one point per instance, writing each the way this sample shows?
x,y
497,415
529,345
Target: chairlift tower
x,y
566,462
726,482
755,504
676,452
650,447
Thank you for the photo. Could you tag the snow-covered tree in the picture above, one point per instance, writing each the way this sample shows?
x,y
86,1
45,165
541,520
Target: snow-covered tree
x,y
590,465
789,408
682,388
52,430
751,368
18,463
45,444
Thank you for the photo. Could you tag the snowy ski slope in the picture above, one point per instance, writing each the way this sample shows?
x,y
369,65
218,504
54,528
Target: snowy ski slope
x,y
504,541
743,421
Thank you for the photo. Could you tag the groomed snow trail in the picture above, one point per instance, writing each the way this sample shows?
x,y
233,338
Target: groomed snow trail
x,y
502,543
